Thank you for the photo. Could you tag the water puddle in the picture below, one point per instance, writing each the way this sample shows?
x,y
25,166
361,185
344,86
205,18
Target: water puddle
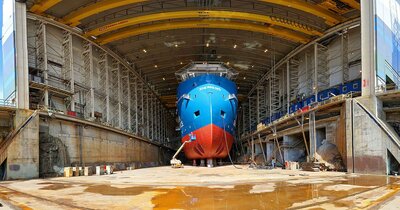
x,y
55,186
5,195
292,194
115,191
272,195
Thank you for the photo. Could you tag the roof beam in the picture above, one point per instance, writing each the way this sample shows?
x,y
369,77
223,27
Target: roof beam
x,y
203,14
75,17
329,17
285,34
352,3
43,5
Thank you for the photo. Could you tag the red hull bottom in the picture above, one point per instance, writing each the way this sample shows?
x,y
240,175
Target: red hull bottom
x,y
210,143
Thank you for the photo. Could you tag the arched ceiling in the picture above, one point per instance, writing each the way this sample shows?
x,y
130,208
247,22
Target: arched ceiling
x,y
161,36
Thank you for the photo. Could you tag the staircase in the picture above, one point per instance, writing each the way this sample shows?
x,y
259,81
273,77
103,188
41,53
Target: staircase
x,y
393,142
396,127
11,136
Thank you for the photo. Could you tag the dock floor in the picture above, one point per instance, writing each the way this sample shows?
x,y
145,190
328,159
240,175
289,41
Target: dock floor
x,y
205,188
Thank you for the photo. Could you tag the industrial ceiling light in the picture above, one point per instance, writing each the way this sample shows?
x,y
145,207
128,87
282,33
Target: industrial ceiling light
x,y
266,50
227,63
155,66
235,46
181,63
244,78
163,78
144,50
176,45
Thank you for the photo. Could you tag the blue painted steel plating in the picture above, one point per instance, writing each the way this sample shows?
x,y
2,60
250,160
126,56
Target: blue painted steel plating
x,y
207,99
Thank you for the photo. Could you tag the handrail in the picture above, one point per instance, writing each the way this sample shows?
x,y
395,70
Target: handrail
x,y
8,97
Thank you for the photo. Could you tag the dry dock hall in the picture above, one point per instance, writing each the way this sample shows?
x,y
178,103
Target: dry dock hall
x,y
200,104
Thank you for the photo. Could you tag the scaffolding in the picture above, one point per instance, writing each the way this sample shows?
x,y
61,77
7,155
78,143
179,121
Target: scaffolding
x,y
93,84
274,92
67,69
87,56
345,56
41,58
252,112
134,104
262,111
140,107
124,98
146,111
114,94
320,74
104,83
244,117
293,78
305,80
151,117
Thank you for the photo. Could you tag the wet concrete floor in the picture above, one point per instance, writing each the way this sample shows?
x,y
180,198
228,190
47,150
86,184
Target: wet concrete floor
x,y
203,188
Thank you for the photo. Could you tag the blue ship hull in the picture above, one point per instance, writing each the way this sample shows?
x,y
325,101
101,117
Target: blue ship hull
x,y
207,108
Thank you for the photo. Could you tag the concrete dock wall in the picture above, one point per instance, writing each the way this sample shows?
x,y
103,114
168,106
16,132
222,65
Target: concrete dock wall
x,y
23,152
369,152
369,143
46,145
293,153
64,143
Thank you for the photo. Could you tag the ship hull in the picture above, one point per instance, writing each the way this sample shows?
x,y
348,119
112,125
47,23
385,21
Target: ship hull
x,y
211,144
207,107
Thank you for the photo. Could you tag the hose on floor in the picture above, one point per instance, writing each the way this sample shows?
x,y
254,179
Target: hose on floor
x,y
226,142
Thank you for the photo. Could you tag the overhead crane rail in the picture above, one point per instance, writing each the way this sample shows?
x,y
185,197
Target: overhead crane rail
x,y
204,14
75,17
286,34
44,5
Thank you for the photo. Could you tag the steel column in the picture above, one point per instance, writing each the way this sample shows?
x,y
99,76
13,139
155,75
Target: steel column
x,y
287,86
368,42
258,105
345,56
315,80
21,46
